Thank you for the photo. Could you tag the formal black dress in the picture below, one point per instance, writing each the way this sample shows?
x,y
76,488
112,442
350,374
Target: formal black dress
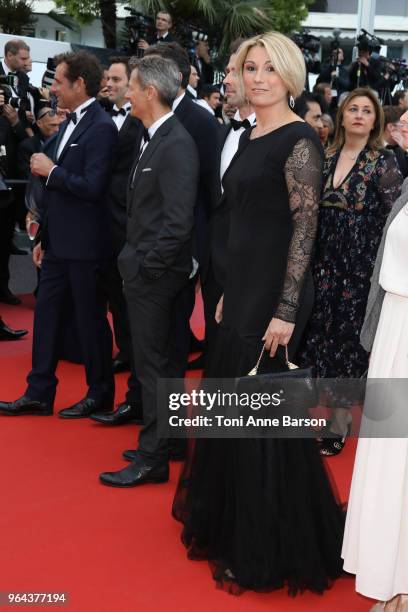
x,y
262,510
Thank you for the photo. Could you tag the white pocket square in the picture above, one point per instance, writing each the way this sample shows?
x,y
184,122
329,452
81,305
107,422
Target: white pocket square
x,y
73,145
146,170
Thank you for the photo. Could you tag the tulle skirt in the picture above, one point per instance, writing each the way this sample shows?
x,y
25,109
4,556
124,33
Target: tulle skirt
x,y
262,511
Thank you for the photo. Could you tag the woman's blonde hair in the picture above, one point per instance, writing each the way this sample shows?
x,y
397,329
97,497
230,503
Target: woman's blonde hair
x,y
286,59
375,140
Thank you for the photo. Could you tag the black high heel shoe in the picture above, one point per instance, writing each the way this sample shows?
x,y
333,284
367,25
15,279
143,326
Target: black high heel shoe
x,y
330,447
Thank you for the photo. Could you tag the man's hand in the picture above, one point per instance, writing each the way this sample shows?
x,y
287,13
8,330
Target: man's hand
x,y
11,114
44,92
142,44
38,255
40,164
1,98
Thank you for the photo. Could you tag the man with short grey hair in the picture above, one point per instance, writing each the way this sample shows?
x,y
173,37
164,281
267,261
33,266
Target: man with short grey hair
x,y
156,260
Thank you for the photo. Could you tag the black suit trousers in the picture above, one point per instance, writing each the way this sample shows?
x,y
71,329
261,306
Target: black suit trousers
x,y
113,284
152,306
82,280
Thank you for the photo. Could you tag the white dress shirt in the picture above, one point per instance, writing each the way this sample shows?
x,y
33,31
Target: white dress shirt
x,y
69,129
177,101
231,144
119,120
204,104
151,130
192,90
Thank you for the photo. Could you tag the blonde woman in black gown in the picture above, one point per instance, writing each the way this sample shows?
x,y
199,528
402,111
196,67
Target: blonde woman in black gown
x,y
262,510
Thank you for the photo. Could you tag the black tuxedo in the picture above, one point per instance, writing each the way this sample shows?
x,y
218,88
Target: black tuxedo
x,y
75,237
155,262
130,136
204,130
215,257
153,40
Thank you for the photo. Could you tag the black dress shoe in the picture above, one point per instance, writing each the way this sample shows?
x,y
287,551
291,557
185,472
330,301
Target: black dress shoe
x,y
124,413
25,405
85,407
119,365
137,473
6,333
9,298
196,364
130,455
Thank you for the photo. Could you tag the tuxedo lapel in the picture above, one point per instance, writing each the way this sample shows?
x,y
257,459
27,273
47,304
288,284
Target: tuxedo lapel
x,y
80,128
141,162
60,134
243,143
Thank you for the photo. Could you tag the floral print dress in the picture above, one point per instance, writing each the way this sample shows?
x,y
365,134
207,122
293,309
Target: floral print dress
x,y
351,220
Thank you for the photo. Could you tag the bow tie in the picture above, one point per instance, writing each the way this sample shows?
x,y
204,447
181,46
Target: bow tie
x,y
146,135
121,111
237,125
73,116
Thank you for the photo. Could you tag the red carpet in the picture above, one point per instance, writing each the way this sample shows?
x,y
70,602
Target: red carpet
x,y
112,550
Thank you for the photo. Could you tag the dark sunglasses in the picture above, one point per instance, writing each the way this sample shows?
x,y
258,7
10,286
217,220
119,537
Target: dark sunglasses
x,y
51,113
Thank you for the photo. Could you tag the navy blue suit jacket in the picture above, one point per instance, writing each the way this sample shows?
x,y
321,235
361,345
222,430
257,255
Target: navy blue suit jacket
x,y
76,219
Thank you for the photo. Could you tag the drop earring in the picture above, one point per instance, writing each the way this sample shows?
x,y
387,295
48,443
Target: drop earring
x,y
291,102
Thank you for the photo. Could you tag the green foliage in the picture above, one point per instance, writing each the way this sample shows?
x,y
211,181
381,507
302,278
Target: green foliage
x,y
15,16
226,20
84,11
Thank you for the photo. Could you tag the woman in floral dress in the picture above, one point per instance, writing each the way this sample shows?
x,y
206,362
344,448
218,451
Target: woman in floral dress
x,y
361,182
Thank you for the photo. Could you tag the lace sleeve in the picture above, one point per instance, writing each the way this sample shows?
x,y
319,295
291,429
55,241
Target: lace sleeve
x,y
303,173
389,180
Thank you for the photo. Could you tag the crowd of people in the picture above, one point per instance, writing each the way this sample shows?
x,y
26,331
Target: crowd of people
x,y
291,222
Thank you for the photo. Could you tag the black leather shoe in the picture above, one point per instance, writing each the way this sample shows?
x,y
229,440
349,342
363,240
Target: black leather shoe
x,y
130,455
124,413
135,474
196,364
25,405
85,407
9,298
118,366
6,333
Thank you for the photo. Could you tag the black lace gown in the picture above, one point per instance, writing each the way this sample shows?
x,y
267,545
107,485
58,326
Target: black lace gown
x,y
262,510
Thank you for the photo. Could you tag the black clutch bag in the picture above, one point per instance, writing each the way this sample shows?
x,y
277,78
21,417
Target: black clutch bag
x,y
295,386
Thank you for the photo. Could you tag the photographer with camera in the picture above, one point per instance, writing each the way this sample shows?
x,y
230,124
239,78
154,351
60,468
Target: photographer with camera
x,y
366,71
47,124
335,73
164,24
202,60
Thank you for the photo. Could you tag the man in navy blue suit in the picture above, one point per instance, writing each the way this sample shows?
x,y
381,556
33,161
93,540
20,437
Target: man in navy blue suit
x,y
75,170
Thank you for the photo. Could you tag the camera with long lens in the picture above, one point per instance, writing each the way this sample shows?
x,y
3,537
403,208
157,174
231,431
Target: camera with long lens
x,y
189,35
12,84
310,46
139,27
49,74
